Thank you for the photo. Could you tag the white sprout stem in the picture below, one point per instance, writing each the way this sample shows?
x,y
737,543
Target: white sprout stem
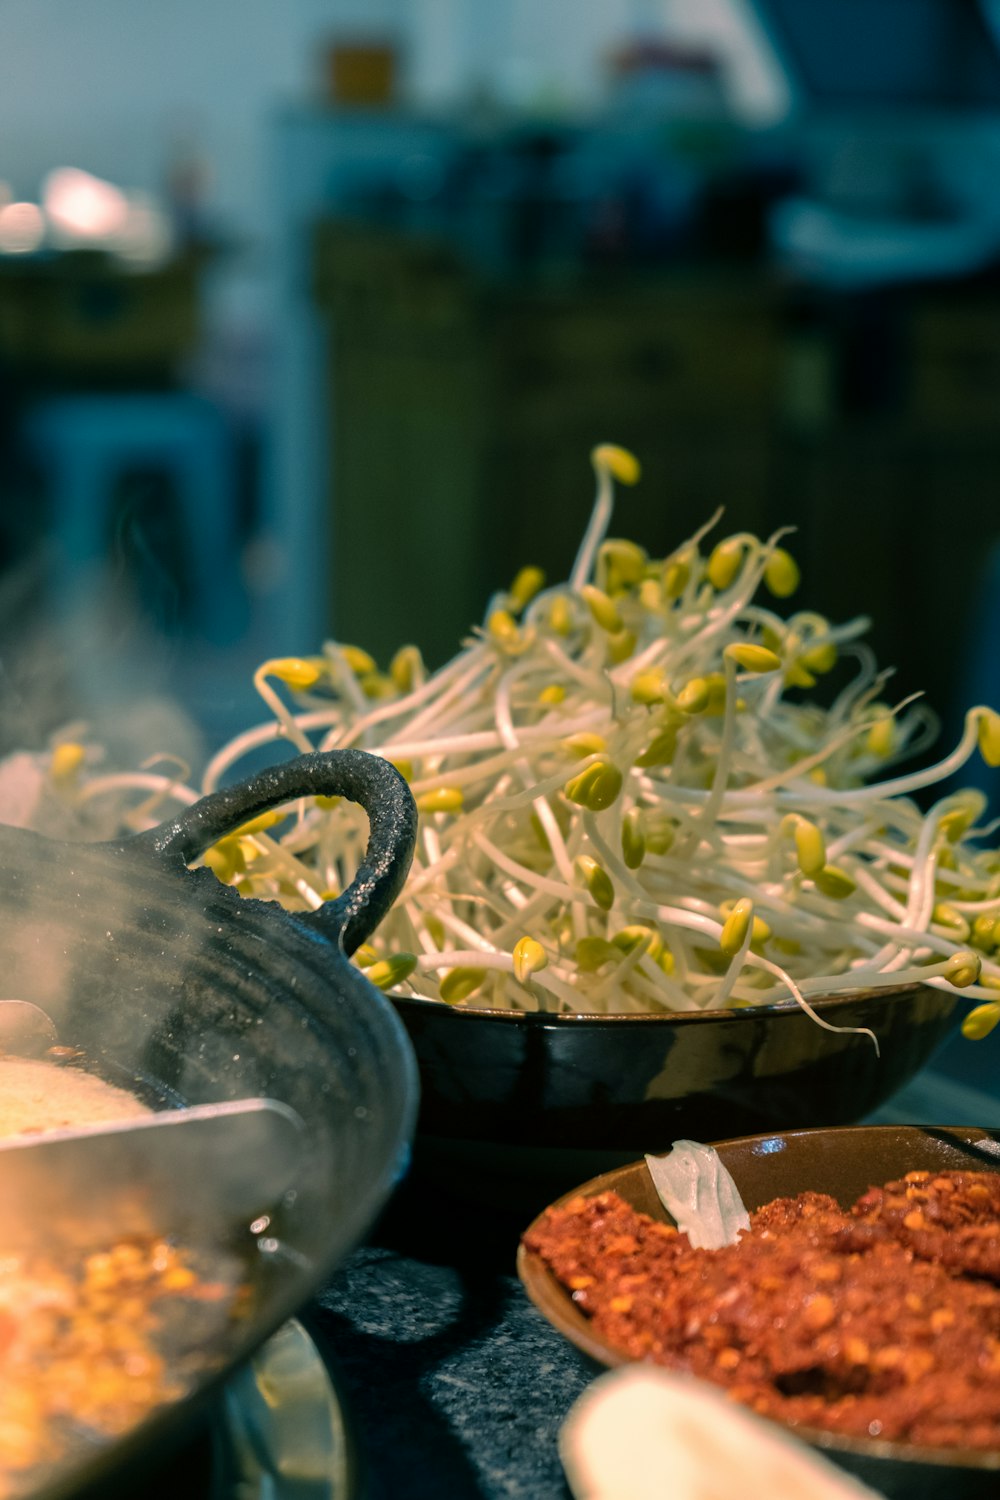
x,y
600,519
146,781
756,961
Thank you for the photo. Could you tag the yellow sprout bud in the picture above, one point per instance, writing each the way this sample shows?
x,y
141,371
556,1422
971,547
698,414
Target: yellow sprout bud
x,y
881,738
227,858
435,929
596,787
293,670
365,956
661,749
260,824
561,615
406,668
820,659
715,684
648,687
582,744
529,582
736,926
796,675
359,661
377,685
946,916
676,575
818,776
621,563
621,645
552,696
529,956
633,839
402,765
597,881
989,736
389,972
651,596
724,562
967,807
781,574
327,804
619,462
963,968
459,984
602,607
661,832
980,1021
761,930
443,799
502,626
637,936
834,882
592,953
810,846
219,862
752,658
67,759
693,696
986,931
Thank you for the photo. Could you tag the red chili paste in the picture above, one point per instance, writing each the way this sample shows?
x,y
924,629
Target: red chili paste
x,y
881,1320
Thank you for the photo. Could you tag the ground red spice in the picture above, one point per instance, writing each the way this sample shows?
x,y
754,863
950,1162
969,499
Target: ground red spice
x,y
881,1320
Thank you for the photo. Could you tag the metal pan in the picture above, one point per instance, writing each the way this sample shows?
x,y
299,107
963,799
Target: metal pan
x,y
173,984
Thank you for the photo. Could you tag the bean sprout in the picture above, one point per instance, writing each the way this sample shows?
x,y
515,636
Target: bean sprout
x,y
628,801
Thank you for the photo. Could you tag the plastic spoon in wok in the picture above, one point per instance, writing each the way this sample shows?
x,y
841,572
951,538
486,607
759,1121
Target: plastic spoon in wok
x,y
207,1171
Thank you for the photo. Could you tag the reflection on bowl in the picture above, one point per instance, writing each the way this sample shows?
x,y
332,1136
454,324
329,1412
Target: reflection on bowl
x,y
843,1162
555,1099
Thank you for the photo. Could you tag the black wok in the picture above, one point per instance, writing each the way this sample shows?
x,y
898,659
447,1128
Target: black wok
x,y
173,984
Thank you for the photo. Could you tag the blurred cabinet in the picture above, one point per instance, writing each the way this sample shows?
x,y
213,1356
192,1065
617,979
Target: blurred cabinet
x,y
898,502
83,317
461,416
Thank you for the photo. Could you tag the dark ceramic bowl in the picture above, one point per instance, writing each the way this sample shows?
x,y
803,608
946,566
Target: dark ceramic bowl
x,y
532,1103
844,1163
175,986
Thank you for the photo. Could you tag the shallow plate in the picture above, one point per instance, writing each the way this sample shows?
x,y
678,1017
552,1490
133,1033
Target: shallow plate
x,y
843,1162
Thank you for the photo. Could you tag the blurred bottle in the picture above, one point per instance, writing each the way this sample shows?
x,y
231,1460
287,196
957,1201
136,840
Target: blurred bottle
x,y
187,187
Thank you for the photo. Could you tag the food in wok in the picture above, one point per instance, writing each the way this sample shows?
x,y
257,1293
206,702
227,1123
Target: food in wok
x,y
91,1343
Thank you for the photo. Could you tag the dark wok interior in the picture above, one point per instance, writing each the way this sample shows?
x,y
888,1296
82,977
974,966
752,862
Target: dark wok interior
x,y
170,982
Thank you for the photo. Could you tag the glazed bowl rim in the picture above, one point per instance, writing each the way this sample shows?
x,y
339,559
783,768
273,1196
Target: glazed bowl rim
x,y
883,1449
778,1009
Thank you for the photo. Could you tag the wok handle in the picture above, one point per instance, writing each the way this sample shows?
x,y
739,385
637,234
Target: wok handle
x,y
366,779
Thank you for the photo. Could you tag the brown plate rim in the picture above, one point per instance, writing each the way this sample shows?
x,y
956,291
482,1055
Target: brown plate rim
x,y
653,1018
546,1294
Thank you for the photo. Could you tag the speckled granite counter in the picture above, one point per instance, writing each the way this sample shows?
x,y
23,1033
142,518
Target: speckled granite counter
x,y
455,1385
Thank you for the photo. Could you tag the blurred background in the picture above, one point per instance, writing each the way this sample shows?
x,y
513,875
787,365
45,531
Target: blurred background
x,y
311,311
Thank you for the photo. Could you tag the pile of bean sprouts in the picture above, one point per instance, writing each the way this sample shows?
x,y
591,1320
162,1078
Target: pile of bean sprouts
x,y
628,800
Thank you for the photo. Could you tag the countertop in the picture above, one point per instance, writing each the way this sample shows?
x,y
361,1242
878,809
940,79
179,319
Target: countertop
x,y
453,1384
